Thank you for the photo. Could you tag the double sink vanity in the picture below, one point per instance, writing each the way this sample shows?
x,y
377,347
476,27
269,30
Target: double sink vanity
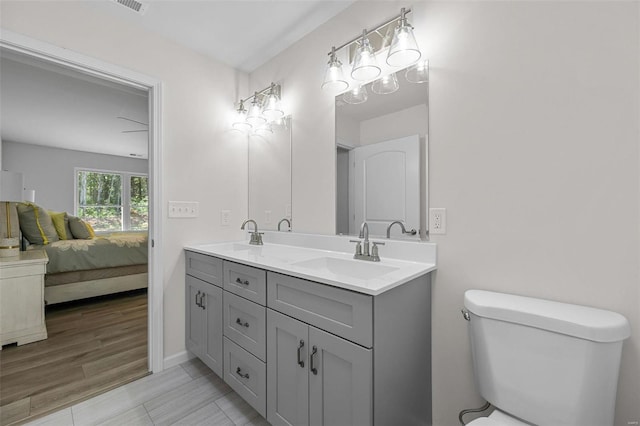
x,y
307,334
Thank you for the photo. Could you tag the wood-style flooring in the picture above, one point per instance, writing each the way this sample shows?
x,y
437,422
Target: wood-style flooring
x,y
92,346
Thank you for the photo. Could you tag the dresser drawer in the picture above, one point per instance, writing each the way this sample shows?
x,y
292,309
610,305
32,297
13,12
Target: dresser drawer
x,y
342,312
245,324
207,268
245,281
246,375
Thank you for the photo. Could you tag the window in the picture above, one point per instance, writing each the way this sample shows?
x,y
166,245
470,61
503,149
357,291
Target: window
x,y
112,201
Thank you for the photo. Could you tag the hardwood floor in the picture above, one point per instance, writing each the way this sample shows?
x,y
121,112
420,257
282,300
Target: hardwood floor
x,y
92,346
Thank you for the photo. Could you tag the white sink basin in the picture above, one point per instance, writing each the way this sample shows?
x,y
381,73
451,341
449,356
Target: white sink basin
x,y
359,269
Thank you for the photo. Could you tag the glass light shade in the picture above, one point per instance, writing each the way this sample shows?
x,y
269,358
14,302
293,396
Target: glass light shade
x,y
334,80
385,85
272,110
240,119
357,95
264,130
418,73
404,48
254,116
365,66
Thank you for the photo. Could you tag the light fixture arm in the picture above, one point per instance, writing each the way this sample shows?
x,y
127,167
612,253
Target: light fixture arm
x,y
401,16
271,88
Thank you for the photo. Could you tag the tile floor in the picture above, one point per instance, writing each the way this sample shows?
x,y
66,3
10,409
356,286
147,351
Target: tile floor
x,y
188,394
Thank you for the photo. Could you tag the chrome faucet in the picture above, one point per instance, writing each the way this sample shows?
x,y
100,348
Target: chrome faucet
x,y
256,237
404,231
362,247
284,219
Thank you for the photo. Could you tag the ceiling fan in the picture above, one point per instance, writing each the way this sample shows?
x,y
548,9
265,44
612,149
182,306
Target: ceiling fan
x,y
134,121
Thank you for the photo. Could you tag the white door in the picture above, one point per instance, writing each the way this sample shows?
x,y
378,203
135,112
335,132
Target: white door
x,y
386,185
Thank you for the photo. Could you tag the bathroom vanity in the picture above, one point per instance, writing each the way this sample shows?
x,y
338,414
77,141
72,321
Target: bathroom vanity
x,y
308,335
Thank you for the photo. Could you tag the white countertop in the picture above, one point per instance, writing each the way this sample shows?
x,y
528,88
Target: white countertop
x,y
307,257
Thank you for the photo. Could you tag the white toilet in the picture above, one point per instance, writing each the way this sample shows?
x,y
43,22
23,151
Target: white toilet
x,y
544,363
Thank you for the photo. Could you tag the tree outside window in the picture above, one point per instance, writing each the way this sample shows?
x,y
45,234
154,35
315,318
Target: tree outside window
x,y
112,201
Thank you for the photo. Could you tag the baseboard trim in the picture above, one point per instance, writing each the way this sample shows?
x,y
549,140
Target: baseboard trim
x,y
177,359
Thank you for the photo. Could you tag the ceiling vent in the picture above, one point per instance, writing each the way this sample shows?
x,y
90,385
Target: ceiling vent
x,y
133,5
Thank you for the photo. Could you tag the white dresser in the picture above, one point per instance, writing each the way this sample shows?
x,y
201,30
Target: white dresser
x,y
22,298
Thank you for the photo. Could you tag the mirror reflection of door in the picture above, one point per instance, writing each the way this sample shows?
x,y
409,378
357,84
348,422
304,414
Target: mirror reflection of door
x,y
386,178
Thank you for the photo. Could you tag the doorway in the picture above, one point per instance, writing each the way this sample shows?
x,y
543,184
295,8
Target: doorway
x,y
111,74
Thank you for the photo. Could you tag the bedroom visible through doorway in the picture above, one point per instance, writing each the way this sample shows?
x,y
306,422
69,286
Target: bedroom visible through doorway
x,y
101,333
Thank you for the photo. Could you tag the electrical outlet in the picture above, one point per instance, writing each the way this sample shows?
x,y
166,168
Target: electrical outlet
x,y
224,217
267,216
183,209
437,221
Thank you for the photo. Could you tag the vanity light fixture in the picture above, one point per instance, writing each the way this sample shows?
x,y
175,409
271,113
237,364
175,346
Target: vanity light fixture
x,y
365,66
404,48
394,37
357,95
334,76
265,109
254,116
385,85
272,109
240,120
418,72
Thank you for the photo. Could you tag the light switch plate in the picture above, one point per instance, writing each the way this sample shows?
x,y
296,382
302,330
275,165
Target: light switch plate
x,y
183,209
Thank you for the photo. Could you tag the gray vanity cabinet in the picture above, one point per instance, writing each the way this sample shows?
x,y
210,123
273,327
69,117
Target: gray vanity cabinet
x,y
315,378
203,305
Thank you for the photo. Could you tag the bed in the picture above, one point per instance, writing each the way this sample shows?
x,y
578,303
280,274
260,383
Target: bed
x,y
105,264
81,268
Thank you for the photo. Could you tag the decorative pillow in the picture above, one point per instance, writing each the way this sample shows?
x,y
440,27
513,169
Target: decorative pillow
x,y
36,224
61,223
80,229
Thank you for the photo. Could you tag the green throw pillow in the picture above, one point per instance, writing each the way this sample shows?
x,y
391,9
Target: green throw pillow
x,y
80,229
36,224
61,223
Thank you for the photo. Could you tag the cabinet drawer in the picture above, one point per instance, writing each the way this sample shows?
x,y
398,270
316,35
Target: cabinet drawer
x,y
246,375
245,324
342,312
207,268
245,281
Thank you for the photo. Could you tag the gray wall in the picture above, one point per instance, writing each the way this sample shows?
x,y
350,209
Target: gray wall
x,y
50,171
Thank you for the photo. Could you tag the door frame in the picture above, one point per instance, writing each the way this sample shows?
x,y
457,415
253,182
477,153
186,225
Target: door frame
x,y
45,51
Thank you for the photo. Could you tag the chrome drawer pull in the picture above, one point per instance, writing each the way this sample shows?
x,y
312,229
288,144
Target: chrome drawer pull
x,y
314,370
197,302
239,281
300,360
239,373
244,324
203,300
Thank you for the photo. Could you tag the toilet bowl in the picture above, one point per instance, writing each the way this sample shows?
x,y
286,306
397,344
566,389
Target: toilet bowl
x,y
498,418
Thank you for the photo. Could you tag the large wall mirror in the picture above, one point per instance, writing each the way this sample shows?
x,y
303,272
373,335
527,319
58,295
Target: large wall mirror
x,y
270,177
381,154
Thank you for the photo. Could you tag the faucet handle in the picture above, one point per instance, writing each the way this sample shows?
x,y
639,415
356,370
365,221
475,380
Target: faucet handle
x,y
374,250
358,246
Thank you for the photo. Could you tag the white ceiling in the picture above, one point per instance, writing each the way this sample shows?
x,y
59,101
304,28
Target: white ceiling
x,y
45,104
242,34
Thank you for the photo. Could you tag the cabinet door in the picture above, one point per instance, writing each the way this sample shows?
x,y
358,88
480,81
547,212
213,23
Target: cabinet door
x,y
194,316
340,381
211,302
287,370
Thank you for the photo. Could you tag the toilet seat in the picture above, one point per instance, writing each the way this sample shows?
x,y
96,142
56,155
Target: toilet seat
x,y
498,418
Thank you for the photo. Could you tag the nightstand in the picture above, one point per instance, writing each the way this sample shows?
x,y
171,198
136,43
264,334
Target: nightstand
x,y
22,297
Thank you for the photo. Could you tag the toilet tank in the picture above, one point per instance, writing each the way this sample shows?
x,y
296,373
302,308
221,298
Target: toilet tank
x,y
545,362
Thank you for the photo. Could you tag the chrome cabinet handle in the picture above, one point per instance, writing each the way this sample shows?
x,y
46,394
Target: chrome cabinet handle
x,y
239,281
202,301
300,360
314,370
243,324
197,302
239,373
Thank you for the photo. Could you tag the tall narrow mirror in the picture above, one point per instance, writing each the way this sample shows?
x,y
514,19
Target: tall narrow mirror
x,y
270,177
381,154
